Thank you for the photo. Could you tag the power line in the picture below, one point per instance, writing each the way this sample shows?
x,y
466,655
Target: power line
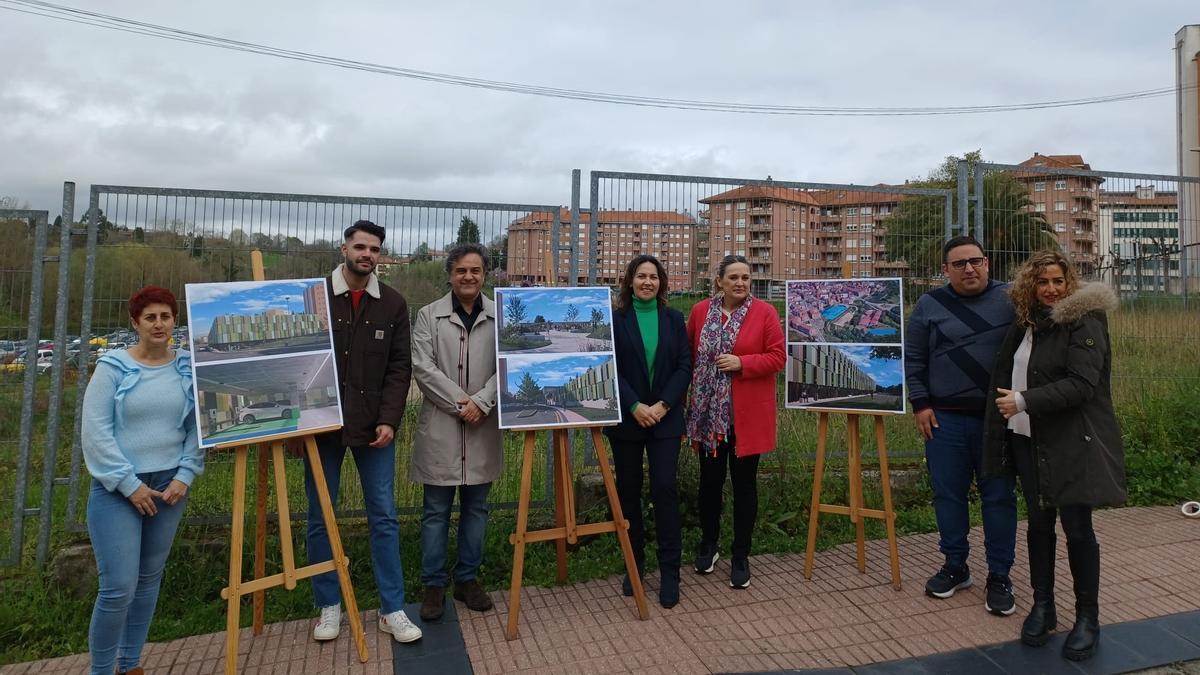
x,y
111,22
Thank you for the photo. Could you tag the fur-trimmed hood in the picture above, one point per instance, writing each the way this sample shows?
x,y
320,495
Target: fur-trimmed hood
x,y
1089,298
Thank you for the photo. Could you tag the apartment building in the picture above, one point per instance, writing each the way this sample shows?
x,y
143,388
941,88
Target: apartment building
x,y
795,234
817,372
1139,239
1068,203
620,235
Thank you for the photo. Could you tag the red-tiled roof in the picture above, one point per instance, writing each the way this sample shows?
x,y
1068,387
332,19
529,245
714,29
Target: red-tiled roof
x,y
1057,161
542,218
856,197
746,192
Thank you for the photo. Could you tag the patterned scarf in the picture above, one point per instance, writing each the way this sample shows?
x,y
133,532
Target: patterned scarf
x,y
710,408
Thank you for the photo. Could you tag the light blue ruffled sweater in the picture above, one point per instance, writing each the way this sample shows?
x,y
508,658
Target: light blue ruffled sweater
x,y
138,419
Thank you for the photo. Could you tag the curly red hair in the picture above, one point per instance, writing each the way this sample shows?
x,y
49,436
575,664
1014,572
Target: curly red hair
x,y
150,295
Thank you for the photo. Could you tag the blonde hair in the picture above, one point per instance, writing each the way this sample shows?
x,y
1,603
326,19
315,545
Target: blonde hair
x,y
1023,290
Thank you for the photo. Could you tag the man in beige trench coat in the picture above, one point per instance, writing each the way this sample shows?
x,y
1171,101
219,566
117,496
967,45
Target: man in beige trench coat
x,y
457,444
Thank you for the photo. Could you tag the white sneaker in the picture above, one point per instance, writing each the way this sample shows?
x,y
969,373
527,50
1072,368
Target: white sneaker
x,y
330,623
399,626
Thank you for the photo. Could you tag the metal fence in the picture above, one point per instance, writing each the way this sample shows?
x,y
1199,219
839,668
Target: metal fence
x,y
1137,232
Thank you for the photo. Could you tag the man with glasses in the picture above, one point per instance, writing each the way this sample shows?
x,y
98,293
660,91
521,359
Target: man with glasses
x,y
950,346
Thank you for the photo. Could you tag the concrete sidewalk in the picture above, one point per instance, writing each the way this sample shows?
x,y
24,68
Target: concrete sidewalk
x,y
1151,568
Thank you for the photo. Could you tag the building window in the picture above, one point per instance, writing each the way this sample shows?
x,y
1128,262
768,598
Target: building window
x,y
852,211
741,237
1060,227
867,227
1060,206
1039,186
851,257
1040,207
741,206
741,222
1060,185
866,258
866,211
727,238
852,228
866,243
851,243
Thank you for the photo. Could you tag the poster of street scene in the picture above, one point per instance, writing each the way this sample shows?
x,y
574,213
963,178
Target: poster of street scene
x,y
568,320
557,390
854,378
845,311
260,398
263,361
244,319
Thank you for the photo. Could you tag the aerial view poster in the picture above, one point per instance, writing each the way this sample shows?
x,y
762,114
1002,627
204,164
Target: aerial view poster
x,y
555,361
845,340
263,363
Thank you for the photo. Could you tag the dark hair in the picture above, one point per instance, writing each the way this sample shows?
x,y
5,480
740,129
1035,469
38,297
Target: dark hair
x,y
150,295
960,240
461,250
625,290
729,260
365,226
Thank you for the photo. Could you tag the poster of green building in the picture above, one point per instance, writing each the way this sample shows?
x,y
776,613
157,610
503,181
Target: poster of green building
x,y
263,363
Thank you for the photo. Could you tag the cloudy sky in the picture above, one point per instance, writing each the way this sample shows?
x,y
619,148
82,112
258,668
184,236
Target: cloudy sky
x,y
97,106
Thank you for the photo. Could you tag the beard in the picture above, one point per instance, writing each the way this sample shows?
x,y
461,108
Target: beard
x,y
353,268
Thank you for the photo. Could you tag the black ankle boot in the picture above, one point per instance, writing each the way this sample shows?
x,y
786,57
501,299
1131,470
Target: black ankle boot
x,y
1084,637
668,589
1043,616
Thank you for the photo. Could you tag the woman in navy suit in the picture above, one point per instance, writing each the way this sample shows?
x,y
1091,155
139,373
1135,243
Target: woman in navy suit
x,y
654,369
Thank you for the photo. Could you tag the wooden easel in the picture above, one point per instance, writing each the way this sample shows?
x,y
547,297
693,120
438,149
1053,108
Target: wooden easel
x,y
237,588
566,530
855,509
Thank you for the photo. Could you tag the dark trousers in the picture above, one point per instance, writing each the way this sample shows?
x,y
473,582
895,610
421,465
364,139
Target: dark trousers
x,y
1083,553
662,454
743,473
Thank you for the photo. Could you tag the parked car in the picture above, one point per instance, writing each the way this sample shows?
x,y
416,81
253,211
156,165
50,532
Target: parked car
x,y
267,410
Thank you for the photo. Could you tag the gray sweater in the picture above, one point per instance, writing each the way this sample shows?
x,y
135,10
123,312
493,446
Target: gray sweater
x,y
950,345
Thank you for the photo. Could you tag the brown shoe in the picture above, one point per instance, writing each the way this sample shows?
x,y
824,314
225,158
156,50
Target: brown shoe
x,y
473,594
136,671
434,604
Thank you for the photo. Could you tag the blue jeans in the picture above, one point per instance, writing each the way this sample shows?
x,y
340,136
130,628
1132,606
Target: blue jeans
x,y
954,457
131,552
435,531
377,472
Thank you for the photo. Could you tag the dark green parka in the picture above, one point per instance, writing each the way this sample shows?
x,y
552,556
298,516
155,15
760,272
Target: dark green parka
x,y
1069,400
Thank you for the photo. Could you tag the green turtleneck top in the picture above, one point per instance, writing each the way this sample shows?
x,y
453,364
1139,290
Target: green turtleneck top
x,y
647,319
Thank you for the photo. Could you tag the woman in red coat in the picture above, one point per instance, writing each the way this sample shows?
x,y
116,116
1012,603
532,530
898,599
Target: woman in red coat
x,y
737,350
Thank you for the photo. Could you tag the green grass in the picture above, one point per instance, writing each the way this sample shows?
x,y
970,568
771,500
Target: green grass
x,y
1156,387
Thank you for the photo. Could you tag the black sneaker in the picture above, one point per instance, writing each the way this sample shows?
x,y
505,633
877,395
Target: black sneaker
x,y
706,558
739,574
947,581
999,595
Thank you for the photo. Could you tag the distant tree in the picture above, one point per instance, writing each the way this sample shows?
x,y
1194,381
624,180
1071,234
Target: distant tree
x,y
529,391
498,248
571,314
597,317
539,319
468,232
885,352
516,311
421,253
13,202
197,246
139,235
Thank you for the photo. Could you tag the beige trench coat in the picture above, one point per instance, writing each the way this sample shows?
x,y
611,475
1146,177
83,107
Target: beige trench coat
x,y
448,366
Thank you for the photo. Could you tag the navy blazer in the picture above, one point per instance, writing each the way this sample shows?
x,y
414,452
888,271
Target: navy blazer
x,y
672,373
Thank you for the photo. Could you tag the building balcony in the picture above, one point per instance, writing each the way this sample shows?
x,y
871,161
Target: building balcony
x,y
760,211
1083,236
760,227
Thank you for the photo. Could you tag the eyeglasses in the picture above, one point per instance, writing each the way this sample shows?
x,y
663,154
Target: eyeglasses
x,y
973,262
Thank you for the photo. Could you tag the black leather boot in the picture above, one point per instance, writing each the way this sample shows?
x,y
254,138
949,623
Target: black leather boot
x,y
1085,570
668,590
1043,617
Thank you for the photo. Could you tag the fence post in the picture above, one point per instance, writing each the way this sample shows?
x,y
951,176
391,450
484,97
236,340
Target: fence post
x,y
57,371
962,197
25,440
573,249
85,348
979,204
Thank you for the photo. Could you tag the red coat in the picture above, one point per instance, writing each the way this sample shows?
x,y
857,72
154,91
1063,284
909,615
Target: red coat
x,y
760,345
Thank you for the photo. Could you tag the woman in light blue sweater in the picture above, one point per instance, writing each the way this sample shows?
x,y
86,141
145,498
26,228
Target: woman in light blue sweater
x,y
140,444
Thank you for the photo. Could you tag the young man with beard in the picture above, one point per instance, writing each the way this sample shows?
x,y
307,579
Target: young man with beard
x,y
374,367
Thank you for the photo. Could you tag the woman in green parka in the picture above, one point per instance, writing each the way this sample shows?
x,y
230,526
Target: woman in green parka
x,y
1053,425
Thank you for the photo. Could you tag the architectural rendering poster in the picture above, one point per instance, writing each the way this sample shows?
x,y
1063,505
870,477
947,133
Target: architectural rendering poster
x,y
262,359
554,358
845,345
